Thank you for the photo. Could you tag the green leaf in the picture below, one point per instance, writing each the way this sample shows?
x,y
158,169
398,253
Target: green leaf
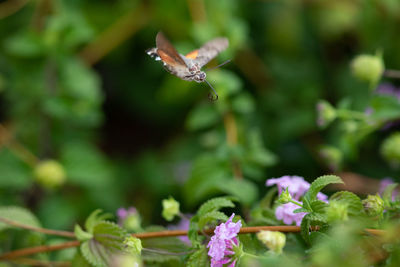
x,y
211,217
80,234
198,258
169,244
95,218
216,204
244,190
354,204
79,260
107,241
202,117
301,210
17,214
317,186
318,206
305,228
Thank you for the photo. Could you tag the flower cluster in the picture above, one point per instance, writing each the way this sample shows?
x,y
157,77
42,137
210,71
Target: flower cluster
x,y
223,243
297,187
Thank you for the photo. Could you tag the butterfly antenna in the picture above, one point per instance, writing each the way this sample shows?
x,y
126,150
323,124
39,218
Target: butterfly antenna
x,y
212,97
226,62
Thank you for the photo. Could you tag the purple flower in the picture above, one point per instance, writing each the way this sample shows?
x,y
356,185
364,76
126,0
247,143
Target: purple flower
x,y
384,183
389,90
285,213
296,185
123,213
222,243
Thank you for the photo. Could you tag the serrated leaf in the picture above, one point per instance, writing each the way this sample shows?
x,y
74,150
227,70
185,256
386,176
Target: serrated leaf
x,y
17,214
80,234
166,244
301,210
354,204
79,260
193,231
107,240
198,258
317,186
211,217
216,204
305,228
318,206
95,218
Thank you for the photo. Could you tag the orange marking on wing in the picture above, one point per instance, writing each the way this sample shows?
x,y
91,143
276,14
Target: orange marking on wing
x,y
167,59
193,54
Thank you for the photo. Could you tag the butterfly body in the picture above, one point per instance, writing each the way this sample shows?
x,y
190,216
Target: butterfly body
x,y
187,67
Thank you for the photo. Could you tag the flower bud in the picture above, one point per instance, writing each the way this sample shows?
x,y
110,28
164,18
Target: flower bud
x,y
284,197
129,219
337,211
125,260
368,68
274,240
390,149
326,113
133,245
49,173
373,205
170,208
331,156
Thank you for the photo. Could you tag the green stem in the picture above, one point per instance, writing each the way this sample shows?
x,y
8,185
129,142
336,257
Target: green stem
x,y
251,255
296,203
350,114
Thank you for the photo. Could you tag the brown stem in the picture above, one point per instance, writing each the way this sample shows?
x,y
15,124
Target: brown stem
x,y
6,139
392,74
197,10
245,230
34,262
38,229
9,7
39,249
232,140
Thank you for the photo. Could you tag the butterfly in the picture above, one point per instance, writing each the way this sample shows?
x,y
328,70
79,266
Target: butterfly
x,y
187,67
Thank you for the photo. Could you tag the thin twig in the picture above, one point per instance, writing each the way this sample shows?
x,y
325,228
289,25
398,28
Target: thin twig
x,y
245,230
10,7
232,140
392,74
34,262
38,229
113,36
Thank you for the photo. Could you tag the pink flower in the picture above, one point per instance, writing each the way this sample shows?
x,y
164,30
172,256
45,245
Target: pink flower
x,y
222,243
285,213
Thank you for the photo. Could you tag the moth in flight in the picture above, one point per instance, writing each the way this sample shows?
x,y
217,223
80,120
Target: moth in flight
x,y
188,67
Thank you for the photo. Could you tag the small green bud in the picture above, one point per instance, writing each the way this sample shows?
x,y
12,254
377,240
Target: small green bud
x,y
274,240
80,234
337,211
332,157
390,149
133,245
284,197
326,113
170,208
132,223
368,68
49,173
373,205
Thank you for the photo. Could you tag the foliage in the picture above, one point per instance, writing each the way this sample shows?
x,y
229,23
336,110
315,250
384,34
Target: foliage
x,y
89,122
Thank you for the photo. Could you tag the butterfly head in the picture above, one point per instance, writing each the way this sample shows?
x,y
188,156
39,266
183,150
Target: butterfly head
x,y
196,74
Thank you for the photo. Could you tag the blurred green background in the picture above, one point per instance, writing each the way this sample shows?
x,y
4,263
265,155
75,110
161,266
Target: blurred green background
x,y
76,87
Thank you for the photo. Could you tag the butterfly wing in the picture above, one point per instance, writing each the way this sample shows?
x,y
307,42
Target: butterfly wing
x,y
167,52
208,51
